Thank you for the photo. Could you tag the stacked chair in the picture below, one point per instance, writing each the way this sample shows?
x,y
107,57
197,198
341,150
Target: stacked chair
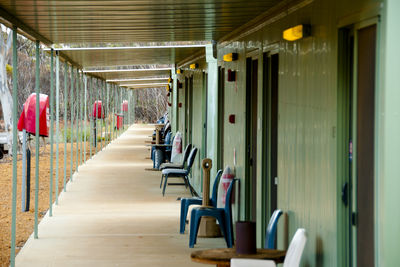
x,y
179,172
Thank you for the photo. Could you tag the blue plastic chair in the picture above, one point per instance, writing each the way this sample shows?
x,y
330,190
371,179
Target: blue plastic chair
x,y
223,216
184,173
186,202
271,230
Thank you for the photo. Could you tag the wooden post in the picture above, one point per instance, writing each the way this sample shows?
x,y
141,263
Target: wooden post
x,y
208,226
207,165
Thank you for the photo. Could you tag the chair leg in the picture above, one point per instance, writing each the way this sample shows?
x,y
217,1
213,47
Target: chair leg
x,y
225,232
162,176
184,208
194,228
165,184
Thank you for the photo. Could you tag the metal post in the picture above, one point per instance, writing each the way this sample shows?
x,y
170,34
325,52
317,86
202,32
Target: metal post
x,y
112,112
57,121
72,124
103,114
107,140
81,122
95,123
51,131
37,90
65,125
129,110
77,122
14,147
90,116
85,118
24,182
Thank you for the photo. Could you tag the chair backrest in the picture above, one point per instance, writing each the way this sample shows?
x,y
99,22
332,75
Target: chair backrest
x,y
186,153
169,148
228,201
215,188
271,230
295,250
167,140
191,158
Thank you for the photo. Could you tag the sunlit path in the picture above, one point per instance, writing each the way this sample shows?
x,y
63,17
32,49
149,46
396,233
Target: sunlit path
x,y
113,214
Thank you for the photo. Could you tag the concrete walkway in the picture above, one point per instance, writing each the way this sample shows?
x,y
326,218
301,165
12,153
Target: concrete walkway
x,y
113,214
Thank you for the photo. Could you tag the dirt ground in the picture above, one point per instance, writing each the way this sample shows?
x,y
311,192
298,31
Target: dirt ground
x,y
25,220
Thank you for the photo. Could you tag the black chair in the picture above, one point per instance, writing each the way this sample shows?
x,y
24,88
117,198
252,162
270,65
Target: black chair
x,y
171,165
184,173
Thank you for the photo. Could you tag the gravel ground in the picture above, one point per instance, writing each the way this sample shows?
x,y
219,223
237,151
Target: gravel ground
x,y
25,220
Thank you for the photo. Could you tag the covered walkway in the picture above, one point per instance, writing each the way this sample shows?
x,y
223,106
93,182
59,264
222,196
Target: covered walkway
x,y
113,214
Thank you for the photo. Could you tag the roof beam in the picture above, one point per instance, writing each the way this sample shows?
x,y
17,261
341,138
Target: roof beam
x,y
139,79
129,47
144,84
123,70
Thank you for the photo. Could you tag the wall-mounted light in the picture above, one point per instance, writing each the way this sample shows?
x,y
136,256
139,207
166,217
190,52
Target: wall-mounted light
x,y
194,66
179,71
297,32
167,88
169,80
231,57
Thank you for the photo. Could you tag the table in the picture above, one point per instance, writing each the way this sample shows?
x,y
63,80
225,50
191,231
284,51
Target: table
x,y
222,256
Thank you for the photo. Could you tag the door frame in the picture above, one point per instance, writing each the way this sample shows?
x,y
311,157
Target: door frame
x,y
248,182
346,229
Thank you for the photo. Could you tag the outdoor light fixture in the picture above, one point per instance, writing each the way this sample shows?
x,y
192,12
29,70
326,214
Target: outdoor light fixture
x,y
194,66
169,80
297,32
167,87
231,57
179,71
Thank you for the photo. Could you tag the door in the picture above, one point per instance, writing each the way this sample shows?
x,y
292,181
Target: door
x,y
270,138
251,137
186,112
190,110
357,64
366,53
273,187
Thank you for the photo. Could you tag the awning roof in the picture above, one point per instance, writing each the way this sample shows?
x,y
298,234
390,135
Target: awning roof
x,y
137,56
134,20
105,22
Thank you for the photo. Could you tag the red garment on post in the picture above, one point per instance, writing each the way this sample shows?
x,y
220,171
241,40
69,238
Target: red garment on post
x,y
27,120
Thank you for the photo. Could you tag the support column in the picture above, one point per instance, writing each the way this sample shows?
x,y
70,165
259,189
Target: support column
x,y
51,131
212,100
77,122
90,116
387,182
37,91
72,125
175,113
65,125
57,120
85,118
14,145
